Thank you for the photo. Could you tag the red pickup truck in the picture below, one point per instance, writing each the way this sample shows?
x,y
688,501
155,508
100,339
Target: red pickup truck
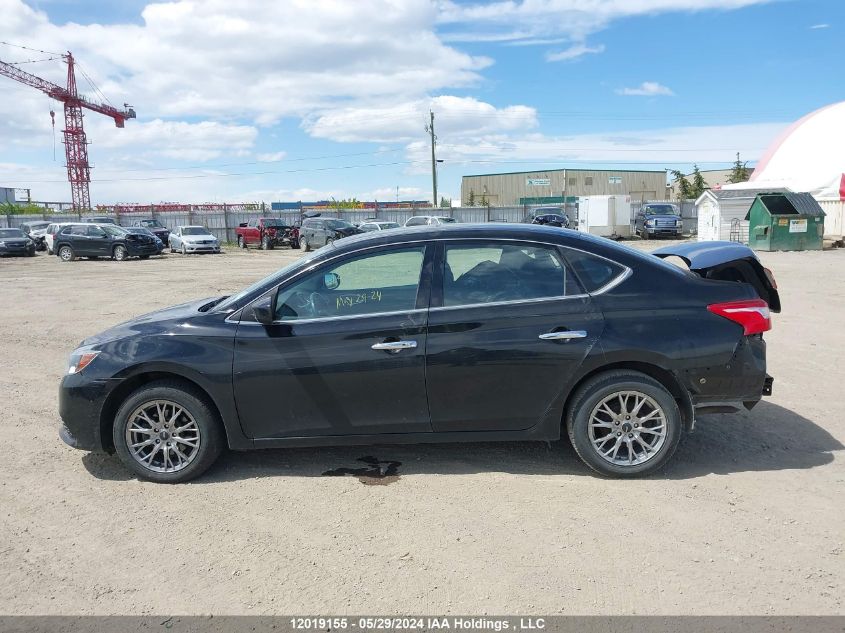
x,y
268,233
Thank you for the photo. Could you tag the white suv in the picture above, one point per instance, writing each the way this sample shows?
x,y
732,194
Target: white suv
x,y
432,220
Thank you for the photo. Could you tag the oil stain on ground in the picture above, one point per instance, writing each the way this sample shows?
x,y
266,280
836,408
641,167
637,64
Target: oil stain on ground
x,y
377,472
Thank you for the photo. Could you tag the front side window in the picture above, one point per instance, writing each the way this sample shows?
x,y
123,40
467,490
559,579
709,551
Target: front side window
x,y
96,231
495,272
367,284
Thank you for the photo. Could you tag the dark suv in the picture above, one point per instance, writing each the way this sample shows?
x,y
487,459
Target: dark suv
x,y
658,219
102,240
316,232
155,227
551,216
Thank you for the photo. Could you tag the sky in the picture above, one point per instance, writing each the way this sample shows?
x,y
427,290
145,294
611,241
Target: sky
x,y
247,100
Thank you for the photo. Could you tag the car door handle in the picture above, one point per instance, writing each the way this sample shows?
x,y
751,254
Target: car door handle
x,y
395,346
564,335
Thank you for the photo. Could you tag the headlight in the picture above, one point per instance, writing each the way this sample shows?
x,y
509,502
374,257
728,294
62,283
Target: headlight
x,y
679,223
649,222
80,359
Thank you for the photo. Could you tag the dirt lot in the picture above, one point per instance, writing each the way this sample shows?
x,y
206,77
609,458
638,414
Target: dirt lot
x,y
748,519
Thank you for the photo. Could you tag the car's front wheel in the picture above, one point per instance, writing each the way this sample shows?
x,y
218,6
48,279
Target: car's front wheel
x,y
184,250
304,245
624,424
167,432
120,253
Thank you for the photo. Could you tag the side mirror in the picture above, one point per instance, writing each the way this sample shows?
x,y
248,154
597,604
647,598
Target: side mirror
x,y
331,281
264,309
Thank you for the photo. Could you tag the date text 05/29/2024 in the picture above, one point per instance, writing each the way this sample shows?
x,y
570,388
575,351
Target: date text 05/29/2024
x,y
417,623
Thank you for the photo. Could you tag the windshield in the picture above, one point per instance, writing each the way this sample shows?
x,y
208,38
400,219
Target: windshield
x,y
447,220
36,226
139,230
152,223
661,209
233,301
279,224
195,230
338,224
11,233
389,225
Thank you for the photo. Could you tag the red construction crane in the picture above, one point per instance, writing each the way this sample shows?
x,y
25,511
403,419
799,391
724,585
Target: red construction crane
x,y
76,146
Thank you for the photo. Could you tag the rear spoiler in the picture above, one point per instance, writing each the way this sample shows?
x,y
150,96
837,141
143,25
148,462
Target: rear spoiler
x,y
726,261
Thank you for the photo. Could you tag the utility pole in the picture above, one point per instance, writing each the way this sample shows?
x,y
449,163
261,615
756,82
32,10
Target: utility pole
x,y
430,129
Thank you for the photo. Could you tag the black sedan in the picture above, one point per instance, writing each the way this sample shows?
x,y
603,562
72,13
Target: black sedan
x,y
471,332
102,240
16,242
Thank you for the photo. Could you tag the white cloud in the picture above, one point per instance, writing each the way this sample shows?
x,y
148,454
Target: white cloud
x,y
454,116
573,52
820,26
272,157
515,20
662,146
647,89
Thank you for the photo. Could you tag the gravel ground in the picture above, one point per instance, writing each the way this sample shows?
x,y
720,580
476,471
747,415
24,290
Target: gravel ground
x,y
748,518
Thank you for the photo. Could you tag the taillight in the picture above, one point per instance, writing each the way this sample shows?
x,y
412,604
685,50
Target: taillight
x,y
753,315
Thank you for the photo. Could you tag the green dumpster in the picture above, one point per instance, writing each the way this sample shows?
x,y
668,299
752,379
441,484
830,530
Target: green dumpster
x,y
785,222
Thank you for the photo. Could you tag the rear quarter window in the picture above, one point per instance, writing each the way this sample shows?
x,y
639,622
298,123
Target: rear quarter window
x,y
593,272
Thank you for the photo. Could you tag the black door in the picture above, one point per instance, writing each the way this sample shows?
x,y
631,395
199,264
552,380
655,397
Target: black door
x,y
99,243
77,237
508,327
346,355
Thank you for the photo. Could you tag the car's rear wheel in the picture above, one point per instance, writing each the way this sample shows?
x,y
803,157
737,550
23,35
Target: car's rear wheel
x,y
66,254
120,254
167,432
624,424
241,241
304,245
184,250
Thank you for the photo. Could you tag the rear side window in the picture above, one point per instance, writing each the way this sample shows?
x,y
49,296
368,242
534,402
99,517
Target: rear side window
x,y
593,272
495,272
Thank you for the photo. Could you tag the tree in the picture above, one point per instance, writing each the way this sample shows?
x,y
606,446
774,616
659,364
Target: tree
x,y
346,203
698,182
684,187
483,201
740,171
471,198
444,203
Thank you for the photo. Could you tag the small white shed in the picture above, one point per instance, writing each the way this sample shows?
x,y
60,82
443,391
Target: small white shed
x,y
721,213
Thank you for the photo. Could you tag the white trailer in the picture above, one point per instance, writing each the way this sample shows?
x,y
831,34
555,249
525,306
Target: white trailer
x,y
606,216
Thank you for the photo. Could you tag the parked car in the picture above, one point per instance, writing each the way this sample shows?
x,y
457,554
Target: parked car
x,y
316,232
155,227
378,225
476,333
193,239
430,220
36,232
552,216
268,233
50,234
658,220
16,242
140,230
100,219
102,240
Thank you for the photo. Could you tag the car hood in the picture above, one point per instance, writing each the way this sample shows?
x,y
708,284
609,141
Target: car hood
x,y
728,261
16,241
158,322
349,230
197,238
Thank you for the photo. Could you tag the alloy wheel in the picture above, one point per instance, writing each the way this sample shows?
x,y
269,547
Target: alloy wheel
x,y
119,253
162,436
627,428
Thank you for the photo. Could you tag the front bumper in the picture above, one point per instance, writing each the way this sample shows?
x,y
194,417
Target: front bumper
x,y
660,230
15,250
137,249
80,404
202,248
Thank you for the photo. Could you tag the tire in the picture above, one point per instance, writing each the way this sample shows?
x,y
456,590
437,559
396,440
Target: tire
x,y
50,251
304,245
172,250
204,425
606,387
66,254
184,250
241,241
265,244
120,253
294,244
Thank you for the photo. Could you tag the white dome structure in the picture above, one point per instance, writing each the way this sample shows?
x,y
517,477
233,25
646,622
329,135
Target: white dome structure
x,y
809,156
